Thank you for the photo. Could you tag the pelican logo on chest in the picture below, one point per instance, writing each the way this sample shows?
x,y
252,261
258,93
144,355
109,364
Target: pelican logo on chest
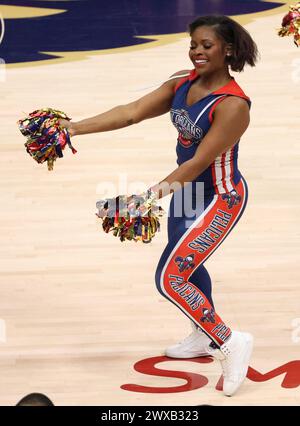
x,y
188,132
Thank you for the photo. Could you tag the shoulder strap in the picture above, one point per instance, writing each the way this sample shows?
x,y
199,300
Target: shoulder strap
x,y
216,100
192,75
232,88
220,99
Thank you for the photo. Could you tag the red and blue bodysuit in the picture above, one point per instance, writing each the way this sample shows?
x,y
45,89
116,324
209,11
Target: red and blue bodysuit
x,y
201,214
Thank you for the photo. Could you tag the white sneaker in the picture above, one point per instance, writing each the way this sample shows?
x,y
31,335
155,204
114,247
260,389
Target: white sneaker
x,y
194,345
234,356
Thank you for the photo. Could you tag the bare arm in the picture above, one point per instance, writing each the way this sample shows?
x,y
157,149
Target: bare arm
x,y
152,105
230,122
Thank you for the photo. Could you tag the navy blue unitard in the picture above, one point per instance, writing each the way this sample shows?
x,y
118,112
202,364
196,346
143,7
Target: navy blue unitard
x,y
201,214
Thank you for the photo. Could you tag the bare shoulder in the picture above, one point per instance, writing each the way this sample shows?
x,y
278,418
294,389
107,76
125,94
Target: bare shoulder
x,y
176,77
233,107
233,103
181,73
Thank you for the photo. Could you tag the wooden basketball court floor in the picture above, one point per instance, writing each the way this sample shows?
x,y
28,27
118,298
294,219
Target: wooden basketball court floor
x,y
78,308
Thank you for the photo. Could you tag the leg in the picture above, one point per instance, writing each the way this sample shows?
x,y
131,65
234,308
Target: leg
x,y
200,276
193,246
196,343
187,250
201,279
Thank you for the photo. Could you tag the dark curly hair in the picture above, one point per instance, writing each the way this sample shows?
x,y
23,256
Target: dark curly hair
x,y
35,399
244,49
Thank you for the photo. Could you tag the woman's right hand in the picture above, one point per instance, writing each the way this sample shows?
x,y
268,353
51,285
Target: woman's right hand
x,y
67,125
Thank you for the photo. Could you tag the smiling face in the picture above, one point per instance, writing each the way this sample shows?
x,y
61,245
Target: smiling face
x,y
207,51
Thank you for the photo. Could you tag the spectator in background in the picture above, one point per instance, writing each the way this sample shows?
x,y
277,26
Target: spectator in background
x,y
35,399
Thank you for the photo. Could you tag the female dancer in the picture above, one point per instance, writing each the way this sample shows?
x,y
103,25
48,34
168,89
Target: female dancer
x,y
210,112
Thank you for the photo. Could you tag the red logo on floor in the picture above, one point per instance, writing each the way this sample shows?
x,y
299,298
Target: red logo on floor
x,y
291,378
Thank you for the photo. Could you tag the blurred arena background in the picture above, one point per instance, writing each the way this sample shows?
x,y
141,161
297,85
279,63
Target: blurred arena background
x,y
78,309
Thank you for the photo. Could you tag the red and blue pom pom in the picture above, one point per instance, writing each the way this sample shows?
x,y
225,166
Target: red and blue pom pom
x,y
138,221
46,139
291,24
